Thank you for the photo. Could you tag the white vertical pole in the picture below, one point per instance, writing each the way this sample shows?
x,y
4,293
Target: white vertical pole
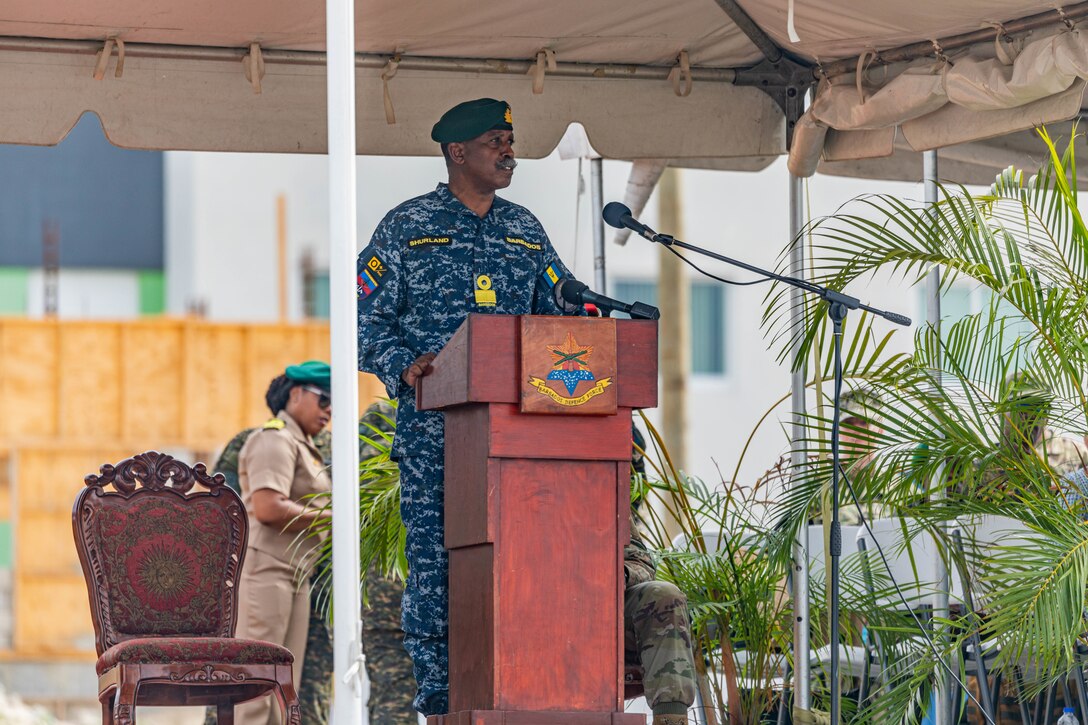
x,y
944,697
347,704
596,197
801,646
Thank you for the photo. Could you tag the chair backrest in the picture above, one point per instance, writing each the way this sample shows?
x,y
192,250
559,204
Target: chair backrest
x,y
912,565
159,560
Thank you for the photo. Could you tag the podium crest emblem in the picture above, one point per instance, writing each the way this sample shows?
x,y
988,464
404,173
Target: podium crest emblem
x,y
570,368
569,365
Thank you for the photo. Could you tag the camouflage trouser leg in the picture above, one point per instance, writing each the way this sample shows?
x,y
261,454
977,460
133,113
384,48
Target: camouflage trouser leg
x,y
426,593
657,636
315,690
392,685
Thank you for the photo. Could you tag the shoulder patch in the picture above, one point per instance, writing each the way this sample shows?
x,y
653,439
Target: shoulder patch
x,y
551,275
534,246
412,243
274,424
369,278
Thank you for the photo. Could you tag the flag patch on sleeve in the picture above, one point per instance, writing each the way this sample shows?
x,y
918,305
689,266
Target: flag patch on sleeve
x,y
551,275
369,278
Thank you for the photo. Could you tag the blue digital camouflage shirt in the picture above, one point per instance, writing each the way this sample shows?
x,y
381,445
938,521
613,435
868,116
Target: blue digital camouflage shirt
x,y
430,263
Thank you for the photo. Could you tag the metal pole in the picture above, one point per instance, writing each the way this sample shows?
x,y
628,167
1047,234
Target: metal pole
x,y
944,699
801,646
596,196
348,666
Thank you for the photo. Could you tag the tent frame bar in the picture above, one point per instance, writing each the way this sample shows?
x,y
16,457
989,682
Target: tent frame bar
x,y
367,60
925,48
756,34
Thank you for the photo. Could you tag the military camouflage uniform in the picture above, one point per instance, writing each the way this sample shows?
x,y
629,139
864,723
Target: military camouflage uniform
x,y
656,633
430,263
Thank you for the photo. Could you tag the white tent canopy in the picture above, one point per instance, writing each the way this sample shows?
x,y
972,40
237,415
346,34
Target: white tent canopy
x,y
249,75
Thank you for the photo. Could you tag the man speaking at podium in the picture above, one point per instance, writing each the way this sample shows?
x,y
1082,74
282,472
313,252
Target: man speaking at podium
x,y
433,260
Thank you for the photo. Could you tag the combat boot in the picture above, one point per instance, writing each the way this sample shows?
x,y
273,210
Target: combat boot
x,y
670,720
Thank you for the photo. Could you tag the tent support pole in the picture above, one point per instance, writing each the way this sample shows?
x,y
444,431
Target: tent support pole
x,y
596,196
944,714
348,665
801,626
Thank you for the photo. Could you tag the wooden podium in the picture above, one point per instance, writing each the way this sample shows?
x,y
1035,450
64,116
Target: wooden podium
x,y
537,513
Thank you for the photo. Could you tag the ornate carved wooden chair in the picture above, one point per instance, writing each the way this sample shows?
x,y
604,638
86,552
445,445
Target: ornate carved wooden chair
x,y
162,565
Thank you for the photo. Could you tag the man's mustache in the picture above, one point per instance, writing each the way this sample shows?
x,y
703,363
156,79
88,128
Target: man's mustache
x,y
508,163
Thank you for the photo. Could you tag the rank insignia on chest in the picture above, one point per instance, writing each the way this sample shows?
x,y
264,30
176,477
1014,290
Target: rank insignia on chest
x,y
485,296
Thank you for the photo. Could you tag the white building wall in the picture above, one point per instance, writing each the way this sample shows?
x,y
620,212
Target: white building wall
x,y
87,294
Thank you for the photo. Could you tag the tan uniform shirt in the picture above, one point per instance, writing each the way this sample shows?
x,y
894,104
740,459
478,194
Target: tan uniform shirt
x,y
285,460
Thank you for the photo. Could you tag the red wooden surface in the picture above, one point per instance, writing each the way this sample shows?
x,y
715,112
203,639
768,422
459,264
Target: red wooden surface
x,y
471,489
636,363
447,383
480,364
571,437
556,585
472,629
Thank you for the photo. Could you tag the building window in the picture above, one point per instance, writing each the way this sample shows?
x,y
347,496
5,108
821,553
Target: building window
x,y
707,320
316,295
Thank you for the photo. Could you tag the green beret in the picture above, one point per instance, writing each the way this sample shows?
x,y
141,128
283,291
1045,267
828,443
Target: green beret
x,y
469,119
311,372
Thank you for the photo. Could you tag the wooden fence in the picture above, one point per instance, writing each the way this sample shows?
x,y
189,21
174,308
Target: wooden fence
x,y
77,394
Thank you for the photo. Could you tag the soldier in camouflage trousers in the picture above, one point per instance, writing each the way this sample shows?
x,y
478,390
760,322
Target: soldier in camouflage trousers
x,y
657,635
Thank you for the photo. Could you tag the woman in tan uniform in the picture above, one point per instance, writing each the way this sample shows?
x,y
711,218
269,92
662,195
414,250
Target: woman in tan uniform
x,y
277,468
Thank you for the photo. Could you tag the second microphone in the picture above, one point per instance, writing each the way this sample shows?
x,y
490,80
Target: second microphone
x,y
577,293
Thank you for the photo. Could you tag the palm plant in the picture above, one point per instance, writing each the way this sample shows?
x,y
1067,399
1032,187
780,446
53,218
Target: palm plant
x,y
381,531
958,418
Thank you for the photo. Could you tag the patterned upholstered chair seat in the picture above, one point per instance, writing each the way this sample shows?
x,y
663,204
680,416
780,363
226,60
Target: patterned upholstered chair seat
x,y
160,650
162,563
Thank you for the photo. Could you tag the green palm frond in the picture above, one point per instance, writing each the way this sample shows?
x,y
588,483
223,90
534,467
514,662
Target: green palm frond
x,y
381,531
949,419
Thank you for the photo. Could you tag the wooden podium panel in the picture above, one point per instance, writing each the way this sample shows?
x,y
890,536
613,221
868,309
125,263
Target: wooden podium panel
x,y
527,631
537,515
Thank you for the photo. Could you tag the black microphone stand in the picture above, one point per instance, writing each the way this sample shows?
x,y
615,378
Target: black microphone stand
x,y
838,305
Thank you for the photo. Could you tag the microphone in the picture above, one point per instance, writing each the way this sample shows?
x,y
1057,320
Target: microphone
x,y
619,216
578,293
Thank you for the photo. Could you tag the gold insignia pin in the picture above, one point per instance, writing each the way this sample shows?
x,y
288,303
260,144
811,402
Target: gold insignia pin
x,y
485,296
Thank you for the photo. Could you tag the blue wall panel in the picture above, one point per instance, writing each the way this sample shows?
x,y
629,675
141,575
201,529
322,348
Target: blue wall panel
x,y
107,202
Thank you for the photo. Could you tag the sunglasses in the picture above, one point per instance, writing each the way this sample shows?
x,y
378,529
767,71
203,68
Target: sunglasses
x,y
324,400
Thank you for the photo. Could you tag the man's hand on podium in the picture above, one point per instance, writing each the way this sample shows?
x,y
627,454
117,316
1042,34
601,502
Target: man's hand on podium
x,y
421,367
